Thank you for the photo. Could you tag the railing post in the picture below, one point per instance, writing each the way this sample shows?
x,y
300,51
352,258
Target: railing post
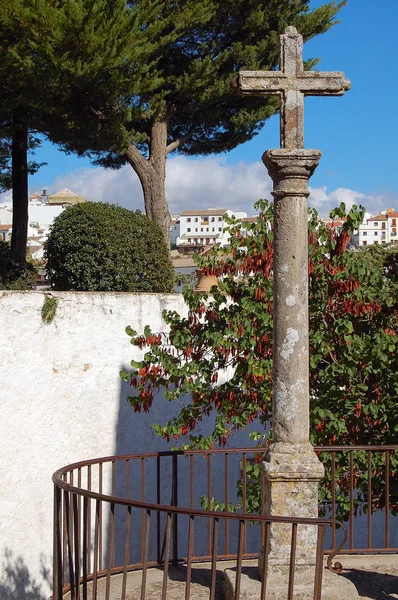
x,y
174,502
57,545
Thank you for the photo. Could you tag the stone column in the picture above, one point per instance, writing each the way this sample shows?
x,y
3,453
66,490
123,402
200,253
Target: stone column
x,y
291,470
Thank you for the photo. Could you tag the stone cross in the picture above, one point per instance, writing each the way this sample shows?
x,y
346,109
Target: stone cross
x,y
291,470
292,83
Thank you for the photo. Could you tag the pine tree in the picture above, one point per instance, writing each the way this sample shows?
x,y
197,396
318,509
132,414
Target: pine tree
x,y
62,64
20,97
192,51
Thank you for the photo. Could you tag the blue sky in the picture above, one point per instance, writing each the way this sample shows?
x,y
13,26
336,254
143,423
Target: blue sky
x,y
356,133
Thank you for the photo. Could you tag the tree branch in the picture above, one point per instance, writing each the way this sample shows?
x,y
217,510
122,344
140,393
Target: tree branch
x,y
178,142
136,159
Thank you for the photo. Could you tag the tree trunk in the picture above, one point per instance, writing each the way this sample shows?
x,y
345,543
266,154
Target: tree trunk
x,y
20,198
152,175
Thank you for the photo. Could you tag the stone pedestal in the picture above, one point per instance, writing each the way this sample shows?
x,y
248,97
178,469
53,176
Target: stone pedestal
x,y
291,474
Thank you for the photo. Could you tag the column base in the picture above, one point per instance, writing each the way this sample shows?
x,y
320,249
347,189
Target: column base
x,y
291,475
334,587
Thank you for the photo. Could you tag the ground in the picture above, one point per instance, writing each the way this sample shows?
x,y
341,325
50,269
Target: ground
x,y
375,577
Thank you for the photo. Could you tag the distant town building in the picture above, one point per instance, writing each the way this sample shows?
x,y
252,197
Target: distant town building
x,y
196,229
5,231
379,229
174,229
42,211
64,198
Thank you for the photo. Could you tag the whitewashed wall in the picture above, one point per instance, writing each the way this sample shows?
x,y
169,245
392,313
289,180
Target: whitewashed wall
x,y
61,401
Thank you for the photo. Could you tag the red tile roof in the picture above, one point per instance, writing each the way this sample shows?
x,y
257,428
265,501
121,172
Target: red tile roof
x,y
378,218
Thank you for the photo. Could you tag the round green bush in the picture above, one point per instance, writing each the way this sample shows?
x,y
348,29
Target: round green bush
x,y
95,246
12,275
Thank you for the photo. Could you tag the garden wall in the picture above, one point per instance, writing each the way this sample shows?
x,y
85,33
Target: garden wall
x,y
62,401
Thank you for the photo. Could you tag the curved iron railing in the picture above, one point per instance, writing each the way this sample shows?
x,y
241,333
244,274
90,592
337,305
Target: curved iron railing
x,y
119,514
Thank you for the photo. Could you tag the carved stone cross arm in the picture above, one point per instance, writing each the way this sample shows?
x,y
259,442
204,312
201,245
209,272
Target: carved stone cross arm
x,y
292,83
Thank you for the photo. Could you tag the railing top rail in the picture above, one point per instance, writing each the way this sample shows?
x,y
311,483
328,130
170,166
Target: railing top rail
x,y
215,451
190,511
61,483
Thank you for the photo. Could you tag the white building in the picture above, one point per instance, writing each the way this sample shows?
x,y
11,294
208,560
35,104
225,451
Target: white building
x,y
198,228
381,229
42,211
5,221
174,229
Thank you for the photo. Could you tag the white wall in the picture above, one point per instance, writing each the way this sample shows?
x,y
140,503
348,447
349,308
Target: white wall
x,y
43,214
61,401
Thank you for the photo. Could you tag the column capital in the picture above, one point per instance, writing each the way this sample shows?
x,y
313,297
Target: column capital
x,y
290,170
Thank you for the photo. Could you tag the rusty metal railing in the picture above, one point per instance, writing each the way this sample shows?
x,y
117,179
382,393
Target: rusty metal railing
x,y
147,513
361,488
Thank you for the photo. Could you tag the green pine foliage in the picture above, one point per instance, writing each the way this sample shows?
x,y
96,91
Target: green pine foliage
x,y
65,69
175,92
102,247
133,81
213,40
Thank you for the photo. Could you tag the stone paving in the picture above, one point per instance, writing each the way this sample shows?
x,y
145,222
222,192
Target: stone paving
x,y
375,577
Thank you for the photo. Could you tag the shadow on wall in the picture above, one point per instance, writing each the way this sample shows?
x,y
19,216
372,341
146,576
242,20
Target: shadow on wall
x,y
134,433
16,582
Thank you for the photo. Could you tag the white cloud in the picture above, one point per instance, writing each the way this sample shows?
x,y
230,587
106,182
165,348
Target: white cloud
x,y
204,183
189,183
103,185
324,201
210,182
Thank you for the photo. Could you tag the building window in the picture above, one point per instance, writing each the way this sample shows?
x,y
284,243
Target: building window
x,y
364,243
196,240
220,229
383,225
376,224
189,240
201,229
213,219
189,219
188,229
213,228
376,233
196,229
376,242
207,229
220,218
196,219
364,233
394,222
394,232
